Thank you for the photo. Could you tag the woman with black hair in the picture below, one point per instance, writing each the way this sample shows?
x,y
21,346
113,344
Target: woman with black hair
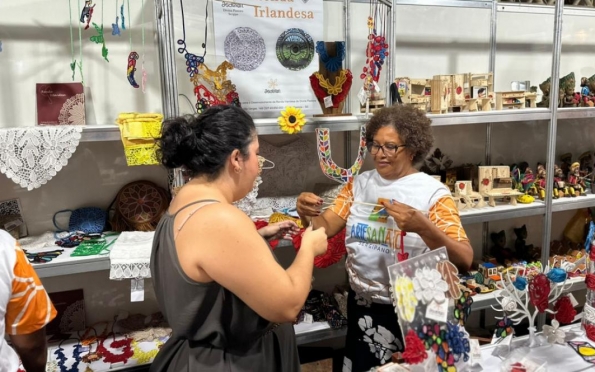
x,y
228,301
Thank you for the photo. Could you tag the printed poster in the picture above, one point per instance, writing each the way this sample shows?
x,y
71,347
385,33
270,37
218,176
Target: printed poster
x,y
272,45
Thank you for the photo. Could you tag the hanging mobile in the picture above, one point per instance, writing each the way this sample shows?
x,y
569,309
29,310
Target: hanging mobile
x,y
87,13
115,27
73,63
192,60
132,57
80,62
122,15
99,38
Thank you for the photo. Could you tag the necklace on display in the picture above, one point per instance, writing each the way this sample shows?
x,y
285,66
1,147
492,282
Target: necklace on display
x,y
332,64
76,354
192,60
125,345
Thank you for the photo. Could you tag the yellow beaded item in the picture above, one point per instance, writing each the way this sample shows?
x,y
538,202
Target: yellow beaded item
x,y
139,132
332,89
280,217
144,357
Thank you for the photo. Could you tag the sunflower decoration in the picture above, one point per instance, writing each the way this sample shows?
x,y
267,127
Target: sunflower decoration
x,y
291,120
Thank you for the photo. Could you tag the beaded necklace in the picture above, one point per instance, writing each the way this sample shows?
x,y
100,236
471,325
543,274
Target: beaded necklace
x,y
145,357
332,64
192,60
76,354
108,357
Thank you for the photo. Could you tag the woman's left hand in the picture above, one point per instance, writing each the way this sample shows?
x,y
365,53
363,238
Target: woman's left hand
x,y
408,219
279,230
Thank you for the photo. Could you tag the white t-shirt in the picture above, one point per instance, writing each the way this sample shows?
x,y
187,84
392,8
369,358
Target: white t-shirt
x,y
24,304
368,233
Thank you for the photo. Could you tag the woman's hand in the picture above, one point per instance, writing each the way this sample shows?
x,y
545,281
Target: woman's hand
x,y
309,205
279,230
316,239
408,219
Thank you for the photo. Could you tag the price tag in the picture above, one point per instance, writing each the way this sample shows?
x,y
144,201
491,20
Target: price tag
x,y
437,311
308,318
475,351
328,101
137,290
362,96
573,300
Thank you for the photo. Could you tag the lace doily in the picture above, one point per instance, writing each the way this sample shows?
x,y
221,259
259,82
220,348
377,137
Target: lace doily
x,y
73,111
73,318
589,313
264,207
32,156
131,255
249,201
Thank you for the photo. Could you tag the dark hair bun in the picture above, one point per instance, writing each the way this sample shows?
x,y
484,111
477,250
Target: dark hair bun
x,y
201,144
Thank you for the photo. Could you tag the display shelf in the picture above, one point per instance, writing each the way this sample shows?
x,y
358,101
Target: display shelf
x,y
318,331
576,112
578,202
544,9
98,133
487,4
486,300
502,212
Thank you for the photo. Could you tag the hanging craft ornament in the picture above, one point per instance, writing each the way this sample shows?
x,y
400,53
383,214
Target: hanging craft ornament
x,y
73,61
87,13
376,49
291,120
329,167
115,26
192,60
212,88
122,15
132,58
99,38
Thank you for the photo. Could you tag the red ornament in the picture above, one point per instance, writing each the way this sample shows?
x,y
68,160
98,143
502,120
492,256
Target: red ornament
x,y
592,254
590,330
590,281
334,252
539,291
415,352
363,76
565,312
377,39
108,357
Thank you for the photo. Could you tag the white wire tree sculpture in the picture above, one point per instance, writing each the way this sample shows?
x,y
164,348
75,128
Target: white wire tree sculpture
x,y
529,293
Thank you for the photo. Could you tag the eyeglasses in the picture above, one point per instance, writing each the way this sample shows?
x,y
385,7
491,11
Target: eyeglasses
x,y
389,149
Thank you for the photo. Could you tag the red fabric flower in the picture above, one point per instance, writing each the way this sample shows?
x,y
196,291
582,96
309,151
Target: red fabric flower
x,y
415,351
539,291
590,281
590,330
335,251
565,312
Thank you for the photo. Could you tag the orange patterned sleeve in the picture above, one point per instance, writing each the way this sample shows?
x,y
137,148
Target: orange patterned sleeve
x,y
30,307
445,215
343,202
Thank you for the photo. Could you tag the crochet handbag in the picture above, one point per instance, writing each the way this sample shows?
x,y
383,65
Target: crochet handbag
x,y
138,206
90,220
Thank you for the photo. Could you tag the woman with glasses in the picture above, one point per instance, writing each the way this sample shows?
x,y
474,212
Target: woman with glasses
x,y
398,138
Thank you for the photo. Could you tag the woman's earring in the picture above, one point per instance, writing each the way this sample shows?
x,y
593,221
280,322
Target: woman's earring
x,y
237,170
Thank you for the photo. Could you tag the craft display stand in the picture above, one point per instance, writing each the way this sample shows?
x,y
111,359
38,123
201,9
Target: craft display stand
x,y
483,117
331,49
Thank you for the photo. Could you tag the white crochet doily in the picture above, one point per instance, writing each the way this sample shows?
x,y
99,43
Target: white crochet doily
x,y
247,203
32,156
131,255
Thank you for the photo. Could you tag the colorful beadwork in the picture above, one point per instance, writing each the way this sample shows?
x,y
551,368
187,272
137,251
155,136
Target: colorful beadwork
x,y
76,354
99,39
87,13
329,167
132,58
125,345
332,64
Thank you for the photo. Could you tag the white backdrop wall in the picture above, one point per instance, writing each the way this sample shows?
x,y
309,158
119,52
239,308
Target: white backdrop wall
x,y
36,48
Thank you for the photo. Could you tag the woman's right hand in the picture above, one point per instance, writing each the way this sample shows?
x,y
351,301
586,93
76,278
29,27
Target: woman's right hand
x,y
309,205
316,240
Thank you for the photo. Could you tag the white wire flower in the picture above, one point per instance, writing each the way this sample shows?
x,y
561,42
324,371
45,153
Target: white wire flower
x,y
553,333
429,285
508,304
